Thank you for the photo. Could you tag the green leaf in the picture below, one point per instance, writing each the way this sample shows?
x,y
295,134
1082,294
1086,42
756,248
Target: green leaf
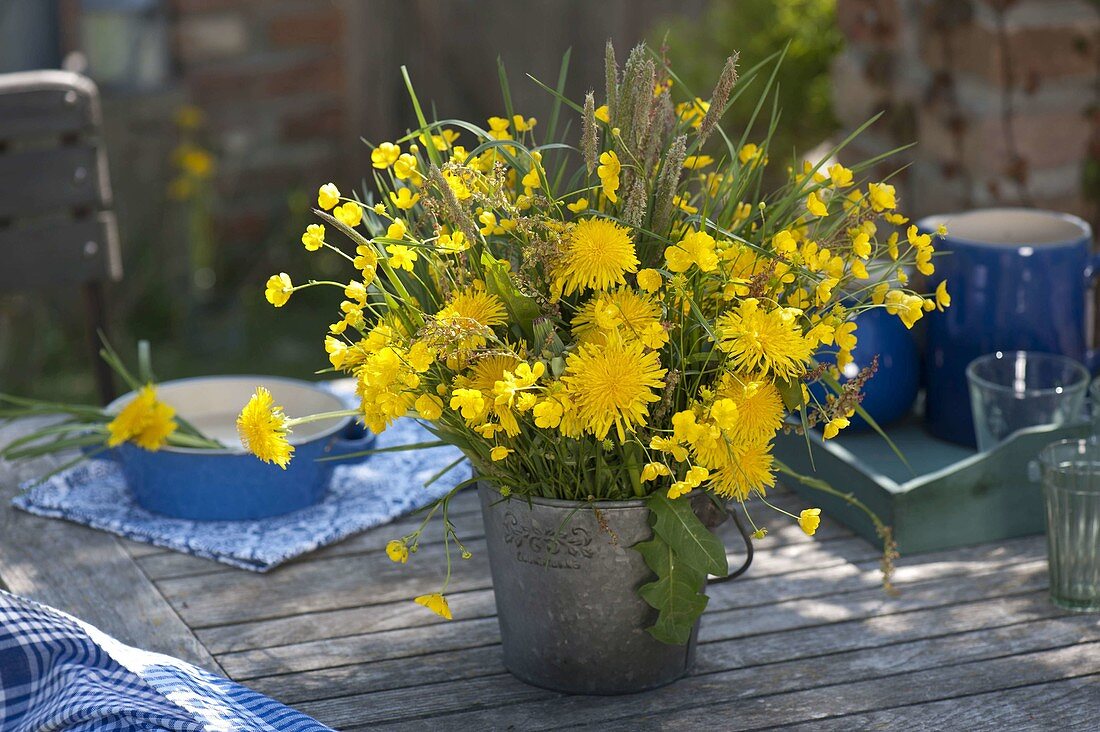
x,y
685,534
521,308
674,594
791,391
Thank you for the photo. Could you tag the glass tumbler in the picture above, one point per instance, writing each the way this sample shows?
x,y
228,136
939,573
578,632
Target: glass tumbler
x,y
1071,490
1010,390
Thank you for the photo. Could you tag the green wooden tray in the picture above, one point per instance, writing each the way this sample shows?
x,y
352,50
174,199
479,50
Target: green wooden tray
x,y
946,496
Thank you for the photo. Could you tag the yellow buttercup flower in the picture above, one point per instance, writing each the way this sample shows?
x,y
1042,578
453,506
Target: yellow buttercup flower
x,y
385,155
349,214
764,340
613,384
436,603
397,551
523,125
579,205
597,255
834,426
815,205
882,196
401,256
809,519
608,171
696,162
263,429
698,248
652,471
750,153
404,199
840,176
314,238
145,421
328,196
470,402
602,114
499,453
943,299
278,290
649,280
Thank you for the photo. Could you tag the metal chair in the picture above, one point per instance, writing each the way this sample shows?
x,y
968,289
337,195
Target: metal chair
x,y
56,223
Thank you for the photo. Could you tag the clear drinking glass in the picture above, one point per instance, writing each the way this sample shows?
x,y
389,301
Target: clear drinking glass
x,y
1071,489
1010,390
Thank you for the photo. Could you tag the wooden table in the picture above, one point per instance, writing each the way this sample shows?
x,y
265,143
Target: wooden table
x,y
807,639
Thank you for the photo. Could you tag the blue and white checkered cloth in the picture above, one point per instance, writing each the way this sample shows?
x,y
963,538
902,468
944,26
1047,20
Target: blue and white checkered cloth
x,y
360,496
58,673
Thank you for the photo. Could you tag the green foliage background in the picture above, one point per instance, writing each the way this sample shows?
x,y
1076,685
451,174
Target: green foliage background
x,y
756,28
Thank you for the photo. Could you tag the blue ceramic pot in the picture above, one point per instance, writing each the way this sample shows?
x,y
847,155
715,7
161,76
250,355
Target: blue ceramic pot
x,y
890,394
231,484
1019,280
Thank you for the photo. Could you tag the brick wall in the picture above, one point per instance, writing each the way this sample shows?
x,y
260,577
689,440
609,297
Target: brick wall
x,y
271,76
1001,97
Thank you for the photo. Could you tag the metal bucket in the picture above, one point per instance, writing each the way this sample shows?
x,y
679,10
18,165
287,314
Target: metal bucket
x,y
566,582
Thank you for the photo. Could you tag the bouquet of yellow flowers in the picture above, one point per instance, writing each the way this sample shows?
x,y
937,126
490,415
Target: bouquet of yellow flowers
x,y
617,314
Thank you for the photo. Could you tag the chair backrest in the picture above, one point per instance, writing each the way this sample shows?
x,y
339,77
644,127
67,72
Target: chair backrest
x,y
56,223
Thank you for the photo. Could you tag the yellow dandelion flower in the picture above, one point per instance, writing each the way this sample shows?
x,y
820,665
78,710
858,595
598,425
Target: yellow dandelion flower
x,y
473,311
263,428
145,421
809,519
623,309
759,405
613,384
751,470
764,340
598,253
436,603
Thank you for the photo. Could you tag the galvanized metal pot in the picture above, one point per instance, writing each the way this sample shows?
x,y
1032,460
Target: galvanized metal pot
x,y
566,582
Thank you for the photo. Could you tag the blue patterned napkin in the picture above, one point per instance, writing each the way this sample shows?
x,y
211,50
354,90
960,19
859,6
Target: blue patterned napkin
x,y
360,496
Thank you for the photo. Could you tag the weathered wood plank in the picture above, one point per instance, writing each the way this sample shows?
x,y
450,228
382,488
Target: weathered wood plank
x,y
1072,704
762,697
947,682
758,588
84,572
744,622
406,658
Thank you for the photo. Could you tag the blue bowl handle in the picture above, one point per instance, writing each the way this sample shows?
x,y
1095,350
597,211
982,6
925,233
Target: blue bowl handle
x,y
354,438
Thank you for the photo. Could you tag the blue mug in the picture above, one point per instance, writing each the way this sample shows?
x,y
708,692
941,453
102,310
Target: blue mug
x,y
1019,281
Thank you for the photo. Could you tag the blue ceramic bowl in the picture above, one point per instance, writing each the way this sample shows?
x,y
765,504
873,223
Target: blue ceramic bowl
x,y
231,484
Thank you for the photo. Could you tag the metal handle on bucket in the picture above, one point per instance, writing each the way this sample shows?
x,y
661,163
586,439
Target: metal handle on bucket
x,y
748,550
